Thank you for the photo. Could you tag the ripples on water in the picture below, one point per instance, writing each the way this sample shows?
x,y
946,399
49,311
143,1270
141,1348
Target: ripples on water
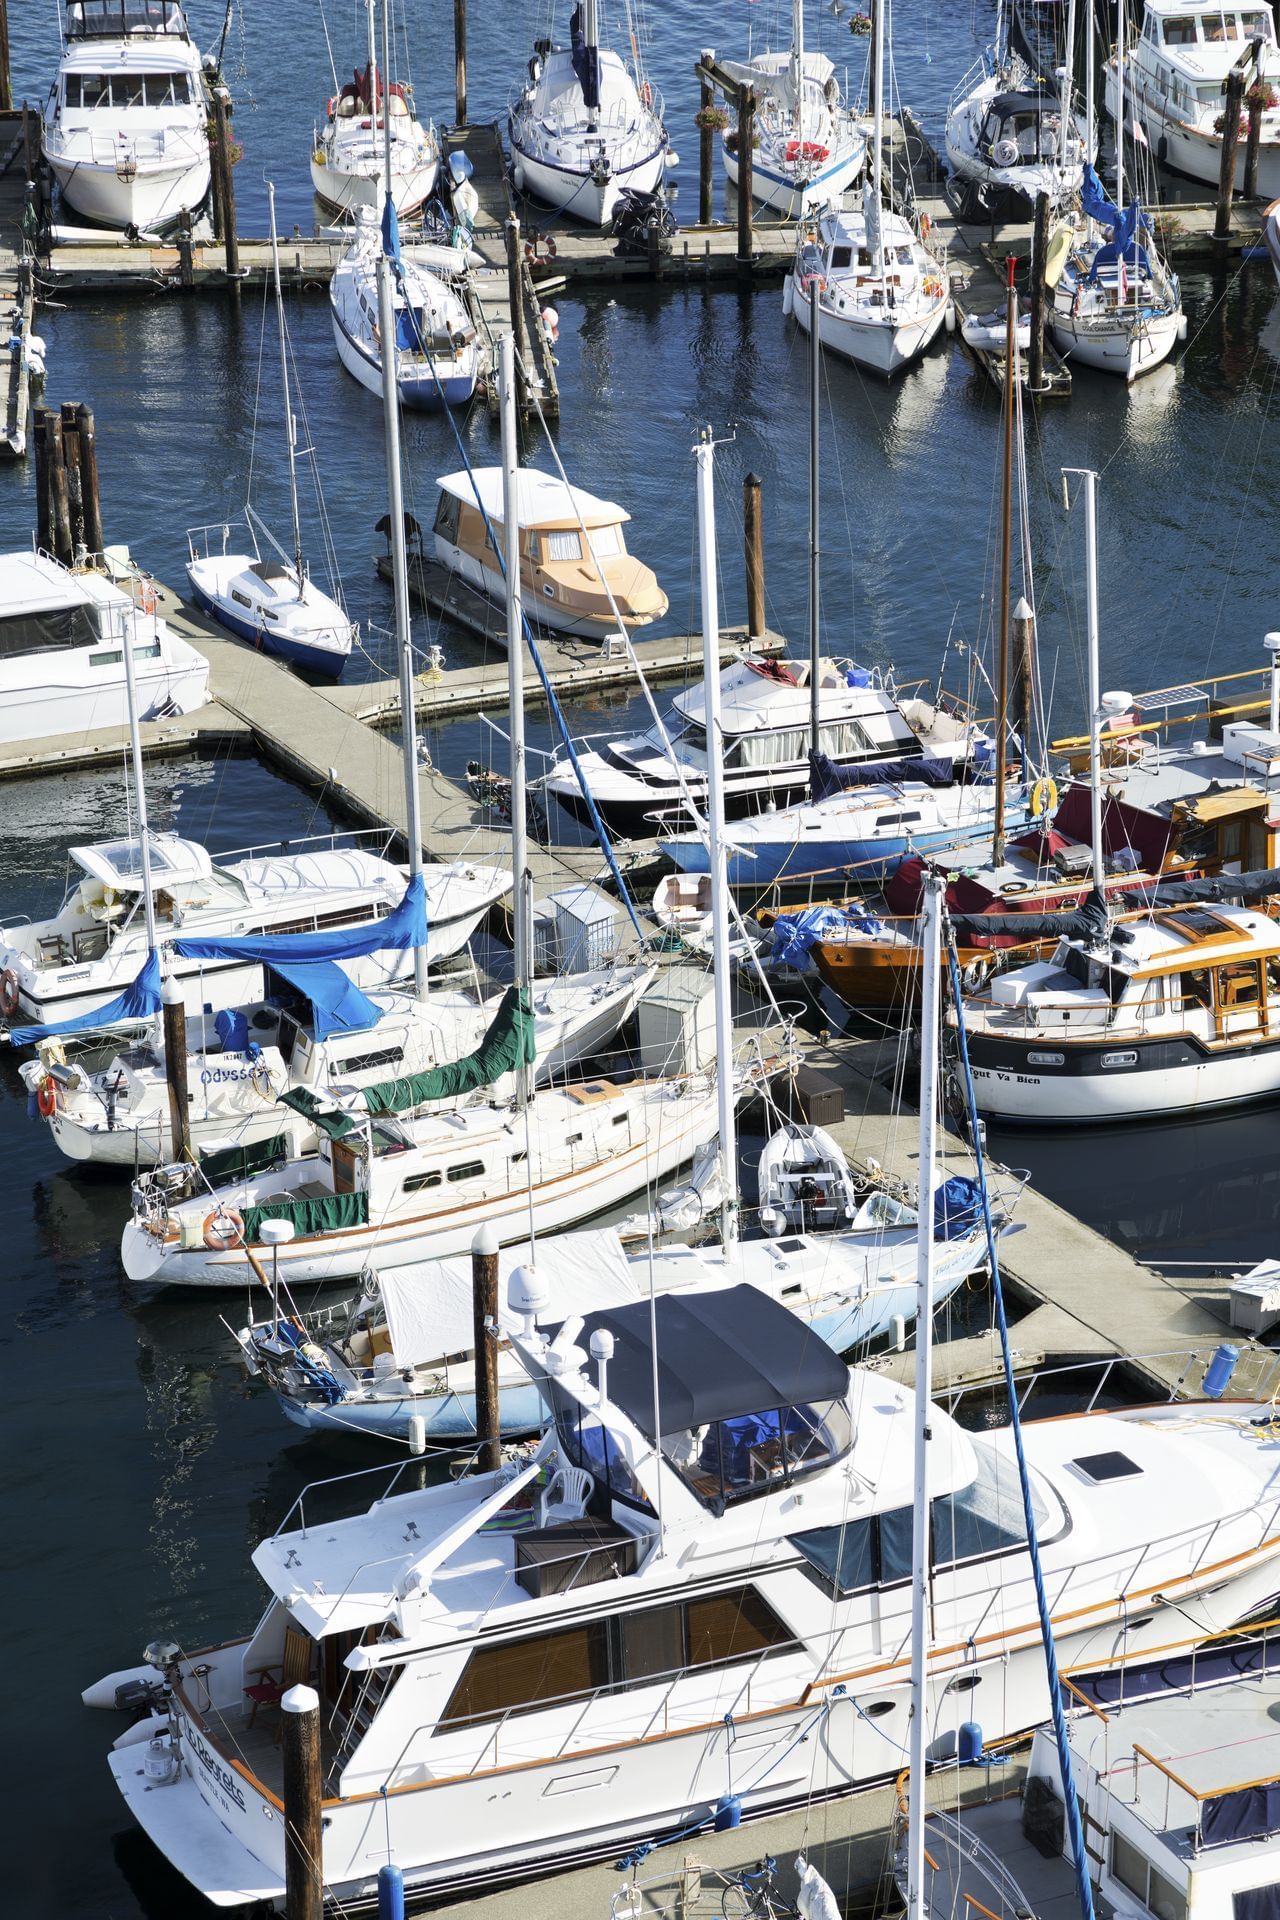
x,y
140,1470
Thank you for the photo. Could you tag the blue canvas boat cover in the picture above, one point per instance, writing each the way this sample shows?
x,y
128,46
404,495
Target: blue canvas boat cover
x,y
337,1004
829,778
140,999
404,927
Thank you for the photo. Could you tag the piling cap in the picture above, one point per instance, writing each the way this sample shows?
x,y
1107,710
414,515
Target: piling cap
x,y
1022,611
171,992
1271,642
301,1700
485,1244
274,1233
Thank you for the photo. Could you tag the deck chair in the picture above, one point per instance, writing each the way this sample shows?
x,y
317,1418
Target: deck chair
x,y
565,1496
294,1670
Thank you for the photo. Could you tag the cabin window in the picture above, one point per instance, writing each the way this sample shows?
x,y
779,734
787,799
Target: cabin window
x,y
48,632
562,543
1220,27
366,1062
1256,26
841,257
861,1554
588,1444
1133,1870
1273,977
466,1170
1180,30
1238,985
419,1182
1196,988
447,517
985,1517
606,542
611,1655
754,1453
241,599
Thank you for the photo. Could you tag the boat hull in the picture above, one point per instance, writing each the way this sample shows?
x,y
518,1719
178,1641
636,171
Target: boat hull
x,y
576,193
423,394
318,661
881,349
1045,1082
1126,352
153,198
344,192
789,196
1183,147
868,861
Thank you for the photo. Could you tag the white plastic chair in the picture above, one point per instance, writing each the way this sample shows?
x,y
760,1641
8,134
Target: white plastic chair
x,y
565,1495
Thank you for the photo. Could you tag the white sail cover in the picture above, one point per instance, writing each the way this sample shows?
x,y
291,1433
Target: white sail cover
x,y
429,1310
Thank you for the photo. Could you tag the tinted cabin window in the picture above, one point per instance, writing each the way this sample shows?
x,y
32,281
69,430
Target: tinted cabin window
x,y
841,257
985,1517
615,1654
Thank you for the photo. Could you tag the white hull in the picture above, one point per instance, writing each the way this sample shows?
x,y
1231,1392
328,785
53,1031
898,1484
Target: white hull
x,y
577,193
154,197
1186,148
51,693
346,191
1126,351
881,347
1127,1091
791,197
542,612
548,1769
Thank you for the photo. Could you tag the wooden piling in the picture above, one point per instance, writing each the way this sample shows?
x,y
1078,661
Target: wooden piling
x,y
6,77
89,479
175,1069
224,180
515,296
1039,252
75,489
746,135
1230,141
706,152
303,1836
1023,696
460,62
60,505
753,554
44,495
1250,186
484,1304
186,253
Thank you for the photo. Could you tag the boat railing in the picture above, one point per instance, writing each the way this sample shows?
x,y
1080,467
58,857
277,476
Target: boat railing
x,y
1005,1898
374,839
391,1468
1256,1376
982,69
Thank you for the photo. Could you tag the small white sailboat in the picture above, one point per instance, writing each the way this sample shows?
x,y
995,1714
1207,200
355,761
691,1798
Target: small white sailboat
x,y
865,277
125,128
348,159
587,125
273,603
437,348
811,142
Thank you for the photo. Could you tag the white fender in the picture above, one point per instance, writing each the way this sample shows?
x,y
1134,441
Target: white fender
x,y
1182,326
144,1730
788,296
949,318
517,175
103,1692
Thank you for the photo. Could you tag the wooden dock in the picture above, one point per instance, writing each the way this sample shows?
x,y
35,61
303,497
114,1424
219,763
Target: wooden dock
x,y
17,290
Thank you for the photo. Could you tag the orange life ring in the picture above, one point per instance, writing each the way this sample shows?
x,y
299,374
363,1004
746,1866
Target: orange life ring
x,y
224,1229
8,992
47,1099
146,596
646,94
926,226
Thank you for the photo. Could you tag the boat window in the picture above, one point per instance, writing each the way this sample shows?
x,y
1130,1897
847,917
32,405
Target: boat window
x,y
48,631
562,543
241,599
753,1453
1133,1870
365,1062
1221,26
841,257
114,19
447,517
844,1556
588,1444
1101,1467
611,1655
466,1170
1256,26
1180,30
606,542
1194,988
895,819
1238,985
986,1517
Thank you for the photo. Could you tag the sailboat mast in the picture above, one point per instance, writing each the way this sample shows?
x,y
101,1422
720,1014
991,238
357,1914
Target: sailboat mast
x,y
399,557
704,453
797,62
515,678
1088,82
290,431
373,68
1120,59
815,357
877,129
1006,562
918,1729
1068,87
1095,679
129,617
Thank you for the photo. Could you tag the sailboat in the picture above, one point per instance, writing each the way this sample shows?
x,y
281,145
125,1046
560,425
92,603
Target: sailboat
x,y
272,603
1116,305
436,350
587,126
1011,131
349,160
865,278
811,142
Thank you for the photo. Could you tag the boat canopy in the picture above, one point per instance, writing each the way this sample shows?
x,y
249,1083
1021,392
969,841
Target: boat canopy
x,y
722,1353
403,928
116,19
337,1004
140,999
118,863
430,1309
771,72
542,499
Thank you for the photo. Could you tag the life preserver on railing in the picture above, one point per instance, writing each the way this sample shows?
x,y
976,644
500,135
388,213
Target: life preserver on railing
x,y
146,596
8,992
1044,797
926,226
46,1099
646,94
224,1229
974,977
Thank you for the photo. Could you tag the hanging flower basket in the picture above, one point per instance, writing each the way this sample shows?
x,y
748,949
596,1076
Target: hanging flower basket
x,y
860,23
1220,124
711,119
731,140
1261,97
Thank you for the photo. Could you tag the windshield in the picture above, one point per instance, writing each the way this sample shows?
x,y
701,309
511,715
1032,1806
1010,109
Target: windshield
x,y
755,1453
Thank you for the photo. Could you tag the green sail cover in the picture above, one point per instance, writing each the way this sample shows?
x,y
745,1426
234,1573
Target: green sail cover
x,y
508,1044
321,1213
233,1164
317,1111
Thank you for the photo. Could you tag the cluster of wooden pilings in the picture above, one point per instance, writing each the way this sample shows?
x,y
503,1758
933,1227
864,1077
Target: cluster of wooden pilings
x,y
68,513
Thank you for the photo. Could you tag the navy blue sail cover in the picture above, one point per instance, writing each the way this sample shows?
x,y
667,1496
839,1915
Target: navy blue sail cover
x,y
586,61
337,1004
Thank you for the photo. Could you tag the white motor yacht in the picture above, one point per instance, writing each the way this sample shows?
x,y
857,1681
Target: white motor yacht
x,y
348,156
125,127
587,125
84,955
118,1114
62,640
1173,85
694,1595
765,706
437,349
811,142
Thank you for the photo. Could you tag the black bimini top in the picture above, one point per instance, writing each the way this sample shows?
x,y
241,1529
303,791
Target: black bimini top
x,y
1008,104
722,1352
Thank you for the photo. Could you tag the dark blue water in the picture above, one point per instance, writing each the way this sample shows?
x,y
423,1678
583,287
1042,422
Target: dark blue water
x,y
140,1471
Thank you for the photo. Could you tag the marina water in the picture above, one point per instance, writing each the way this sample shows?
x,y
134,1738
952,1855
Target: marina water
x,y
140,1470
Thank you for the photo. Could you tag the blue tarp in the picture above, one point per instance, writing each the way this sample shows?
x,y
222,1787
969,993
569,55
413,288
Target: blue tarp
x,y
337,1004
140,999
830,778
1124,226
403,928
586,62
957,1208
795,933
